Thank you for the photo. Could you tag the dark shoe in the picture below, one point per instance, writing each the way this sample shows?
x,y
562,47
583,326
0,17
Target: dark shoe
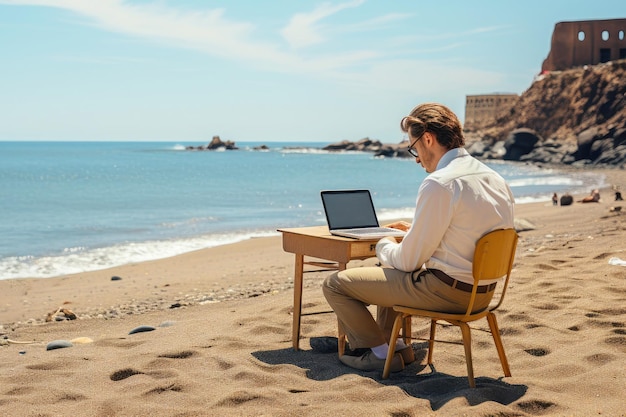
x,y
408,356
369,362
356,352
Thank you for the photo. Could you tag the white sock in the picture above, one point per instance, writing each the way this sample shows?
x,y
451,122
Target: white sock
x,y
381,351
400,344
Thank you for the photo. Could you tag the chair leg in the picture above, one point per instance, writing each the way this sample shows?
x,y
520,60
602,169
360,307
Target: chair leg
x,y
431,340
395,332
495,332
406,331
467,343
341,339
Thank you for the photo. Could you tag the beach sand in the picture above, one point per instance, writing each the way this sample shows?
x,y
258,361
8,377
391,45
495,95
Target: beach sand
x,y
221,344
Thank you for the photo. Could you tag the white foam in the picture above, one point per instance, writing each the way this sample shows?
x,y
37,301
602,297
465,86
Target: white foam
x,y
304,150
555,180
77,260
533,199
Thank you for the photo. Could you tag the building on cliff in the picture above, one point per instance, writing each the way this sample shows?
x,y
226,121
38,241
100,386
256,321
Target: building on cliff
x,y
574,44
482,109
587,42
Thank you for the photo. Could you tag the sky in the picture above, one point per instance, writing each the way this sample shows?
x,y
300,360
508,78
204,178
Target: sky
x,y
261,70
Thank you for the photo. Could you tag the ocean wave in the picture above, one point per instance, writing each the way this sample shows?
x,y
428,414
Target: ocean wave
x,y
533,199
78,260
303,150
555,180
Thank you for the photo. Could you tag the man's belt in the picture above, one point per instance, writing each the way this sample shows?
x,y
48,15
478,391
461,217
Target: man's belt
x,y
460,285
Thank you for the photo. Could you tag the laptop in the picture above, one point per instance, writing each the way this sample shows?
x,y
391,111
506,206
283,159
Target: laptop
x,y
351,213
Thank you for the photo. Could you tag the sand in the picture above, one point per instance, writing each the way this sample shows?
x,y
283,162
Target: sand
x,y
220,343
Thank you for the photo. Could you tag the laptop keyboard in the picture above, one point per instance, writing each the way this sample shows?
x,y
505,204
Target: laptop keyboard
x,y
368,230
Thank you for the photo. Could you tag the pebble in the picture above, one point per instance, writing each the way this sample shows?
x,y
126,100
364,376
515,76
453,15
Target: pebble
x,y
141,329
116,278
59,344
218,294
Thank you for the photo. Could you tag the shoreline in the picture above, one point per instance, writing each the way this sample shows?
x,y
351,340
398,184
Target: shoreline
x,y
61,264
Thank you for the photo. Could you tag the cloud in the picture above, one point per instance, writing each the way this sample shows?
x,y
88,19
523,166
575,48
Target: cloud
x,y
303,28
213,33
209,31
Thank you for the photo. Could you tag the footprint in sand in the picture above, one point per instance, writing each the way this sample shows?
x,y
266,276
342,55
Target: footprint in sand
x,y
518,317
120,343
124,373
547,306
224,365
536,407
238,398
20,391
48,366
546,267
616,290
510,331
537,351
267,329
600,358
128,372
161,390
613,311
616,341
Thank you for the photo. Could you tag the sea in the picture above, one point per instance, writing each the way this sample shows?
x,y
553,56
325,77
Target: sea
x,y
71,207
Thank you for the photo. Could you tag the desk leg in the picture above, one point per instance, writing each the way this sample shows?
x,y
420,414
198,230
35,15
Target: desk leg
x,y
297,300
341,335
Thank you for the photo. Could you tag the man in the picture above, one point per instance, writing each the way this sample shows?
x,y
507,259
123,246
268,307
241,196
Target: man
x,y
459,201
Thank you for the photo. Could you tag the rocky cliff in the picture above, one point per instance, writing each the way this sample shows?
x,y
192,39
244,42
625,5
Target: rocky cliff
x,y
577,116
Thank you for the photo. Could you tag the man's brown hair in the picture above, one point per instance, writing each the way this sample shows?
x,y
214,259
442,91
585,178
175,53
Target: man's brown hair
x,y
438,120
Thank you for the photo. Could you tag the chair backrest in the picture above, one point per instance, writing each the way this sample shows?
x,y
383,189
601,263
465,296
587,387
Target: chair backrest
x,y
494,254
493,259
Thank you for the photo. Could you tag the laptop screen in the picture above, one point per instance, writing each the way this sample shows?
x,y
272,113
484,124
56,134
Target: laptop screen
x,y
349,209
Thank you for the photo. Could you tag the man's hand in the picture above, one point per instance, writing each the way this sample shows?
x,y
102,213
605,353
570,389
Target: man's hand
x,y
401,225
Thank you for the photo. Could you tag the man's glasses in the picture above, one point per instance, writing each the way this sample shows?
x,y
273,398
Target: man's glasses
x,y
412,151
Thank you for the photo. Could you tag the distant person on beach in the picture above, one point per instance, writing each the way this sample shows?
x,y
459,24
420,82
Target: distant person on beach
x,y
618,193
594,197
555,199
458,202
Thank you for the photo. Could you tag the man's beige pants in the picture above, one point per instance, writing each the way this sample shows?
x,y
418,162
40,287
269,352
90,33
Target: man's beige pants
x,y
351,291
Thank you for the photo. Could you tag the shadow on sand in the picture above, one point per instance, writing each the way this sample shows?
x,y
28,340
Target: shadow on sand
x,y
438,388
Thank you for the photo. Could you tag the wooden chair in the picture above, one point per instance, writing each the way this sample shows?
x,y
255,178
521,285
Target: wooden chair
x,y
493,258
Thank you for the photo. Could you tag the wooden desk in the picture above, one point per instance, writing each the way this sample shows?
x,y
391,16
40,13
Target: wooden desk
x,y
317,242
